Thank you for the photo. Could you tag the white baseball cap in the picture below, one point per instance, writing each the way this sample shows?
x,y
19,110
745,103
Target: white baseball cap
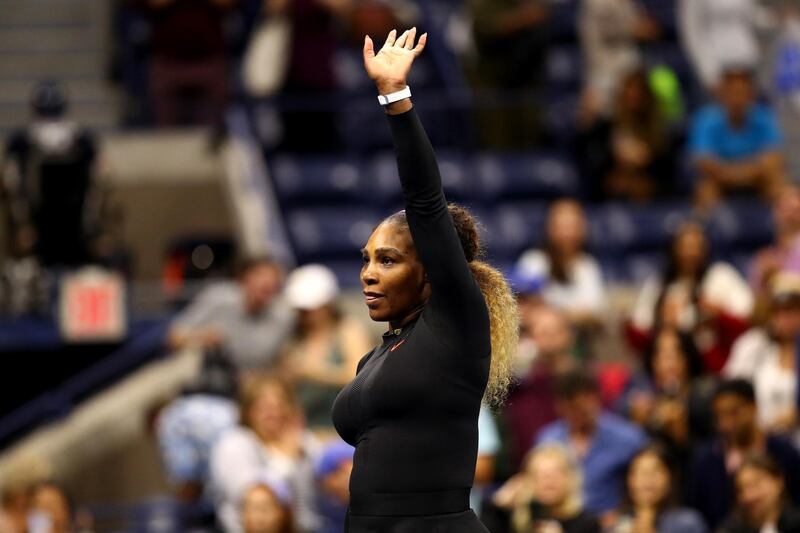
x,y
311,287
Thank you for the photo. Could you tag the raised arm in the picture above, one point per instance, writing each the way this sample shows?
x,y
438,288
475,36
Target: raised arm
x,y
453,286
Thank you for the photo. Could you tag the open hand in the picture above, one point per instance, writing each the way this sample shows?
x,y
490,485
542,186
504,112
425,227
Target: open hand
x,y
390,66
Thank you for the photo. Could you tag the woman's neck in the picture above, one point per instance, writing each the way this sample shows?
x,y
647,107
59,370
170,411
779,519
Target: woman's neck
x,y
400,324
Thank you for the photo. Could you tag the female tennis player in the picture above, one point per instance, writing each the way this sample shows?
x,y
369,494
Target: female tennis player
x,y
412,409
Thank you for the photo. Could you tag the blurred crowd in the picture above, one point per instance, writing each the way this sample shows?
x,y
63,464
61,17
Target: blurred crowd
x,y
698,431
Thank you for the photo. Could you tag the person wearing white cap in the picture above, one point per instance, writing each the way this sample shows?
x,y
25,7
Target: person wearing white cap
x,y
323,354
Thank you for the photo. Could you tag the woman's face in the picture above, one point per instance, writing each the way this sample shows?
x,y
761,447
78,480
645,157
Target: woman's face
x,y
550,479
566,227
669,362
392,276
261,512
690,250
758,492
52,502
648,480
270,412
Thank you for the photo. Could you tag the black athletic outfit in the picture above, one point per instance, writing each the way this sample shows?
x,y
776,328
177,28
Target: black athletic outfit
x,y
412,409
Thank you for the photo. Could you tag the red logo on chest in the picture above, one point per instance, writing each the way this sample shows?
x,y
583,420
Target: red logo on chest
x,y
396,346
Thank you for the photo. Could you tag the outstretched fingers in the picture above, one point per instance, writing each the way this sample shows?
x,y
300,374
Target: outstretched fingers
x,y
369,48
401,41
421,44
411,39
390,39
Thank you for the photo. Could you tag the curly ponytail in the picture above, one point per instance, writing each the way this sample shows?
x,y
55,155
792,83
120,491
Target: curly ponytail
x,y
500,301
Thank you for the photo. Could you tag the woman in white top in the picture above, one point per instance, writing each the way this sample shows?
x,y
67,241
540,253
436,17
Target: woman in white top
x,y
711,301
574,283
767,357
273,439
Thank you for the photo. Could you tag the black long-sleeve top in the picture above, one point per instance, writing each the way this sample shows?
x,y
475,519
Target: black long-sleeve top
x,y
412,409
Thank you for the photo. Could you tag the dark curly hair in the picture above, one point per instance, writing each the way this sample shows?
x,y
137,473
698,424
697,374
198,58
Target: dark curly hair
x,y
503,316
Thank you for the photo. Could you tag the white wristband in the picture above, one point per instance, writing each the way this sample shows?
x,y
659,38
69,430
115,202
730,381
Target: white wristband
x,y
386,99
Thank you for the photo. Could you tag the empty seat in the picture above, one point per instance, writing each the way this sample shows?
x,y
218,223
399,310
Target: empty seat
x,y
741,223
330,232
316,178
564,67
519,176
622,227
458,177
518,226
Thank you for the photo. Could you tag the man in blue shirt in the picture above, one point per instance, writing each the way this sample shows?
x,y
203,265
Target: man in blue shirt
x,y
736,143
602,442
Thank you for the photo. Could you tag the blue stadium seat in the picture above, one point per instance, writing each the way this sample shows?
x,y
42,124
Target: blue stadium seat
x,y
309,179
633,268
741,223
458,178
564,67
630,228
347,271
665,13
559,113
532,176
518,226
563,24
330,232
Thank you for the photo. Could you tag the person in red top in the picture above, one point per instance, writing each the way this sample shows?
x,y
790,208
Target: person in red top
x,y
708,300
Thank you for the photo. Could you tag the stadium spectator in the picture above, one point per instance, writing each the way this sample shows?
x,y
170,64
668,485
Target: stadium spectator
x,y
651,502
710,480
784,253
322,356
767,356
267,507
670,400
545,496
602,442
511,40
780,72
631,153
48,183
573,281
272,439
309,71
51,510
610,32
333,476
761,502
16,499
189,426
188,64
710,301
716,33
736,143
246,319
531,399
